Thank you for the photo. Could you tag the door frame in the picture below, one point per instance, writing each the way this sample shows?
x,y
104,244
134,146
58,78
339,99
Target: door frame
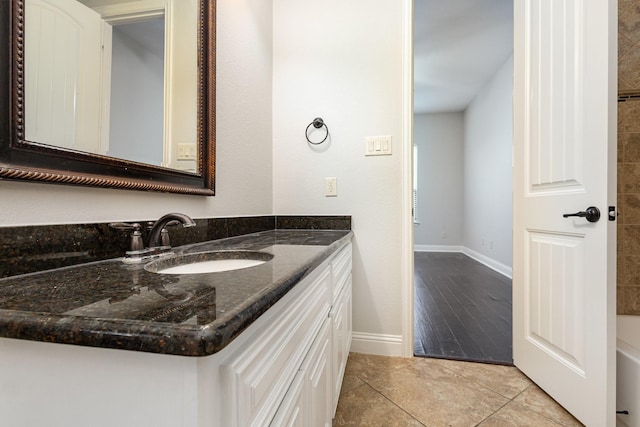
x,y
407,179
408,226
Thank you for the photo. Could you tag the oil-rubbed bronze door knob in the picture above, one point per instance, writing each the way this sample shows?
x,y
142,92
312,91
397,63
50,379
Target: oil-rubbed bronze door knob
x,y
592,214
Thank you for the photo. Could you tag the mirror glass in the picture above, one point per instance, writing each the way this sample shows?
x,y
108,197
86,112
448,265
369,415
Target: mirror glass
x,y
115,78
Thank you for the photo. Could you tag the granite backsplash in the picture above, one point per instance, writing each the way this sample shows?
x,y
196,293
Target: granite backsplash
x,y
35,248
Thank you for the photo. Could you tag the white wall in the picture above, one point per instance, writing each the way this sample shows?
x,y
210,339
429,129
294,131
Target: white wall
x,y
488,168
243,146
333,61
440,139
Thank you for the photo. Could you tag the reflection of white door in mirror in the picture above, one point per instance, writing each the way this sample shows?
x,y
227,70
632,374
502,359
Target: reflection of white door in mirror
x,y
62,104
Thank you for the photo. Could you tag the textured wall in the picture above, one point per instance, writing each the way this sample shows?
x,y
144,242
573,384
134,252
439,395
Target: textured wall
x,y
628,283
333,60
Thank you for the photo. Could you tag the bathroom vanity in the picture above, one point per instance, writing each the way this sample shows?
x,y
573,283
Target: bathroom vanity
x,y
106,343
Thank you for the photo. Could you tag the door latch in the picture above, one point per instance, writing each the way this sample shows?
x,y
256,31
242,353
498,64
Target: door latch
x,y
612,213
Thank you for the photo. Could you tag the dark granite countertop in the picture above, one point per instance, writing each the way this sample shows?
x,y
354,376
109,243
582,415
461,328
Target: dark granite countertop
x,y
113,305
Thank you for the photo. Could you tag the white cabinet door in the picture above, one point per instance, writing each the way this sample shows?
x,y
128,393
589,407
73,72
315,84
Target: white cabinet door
x,y
341,339
318,382
308,400
292,411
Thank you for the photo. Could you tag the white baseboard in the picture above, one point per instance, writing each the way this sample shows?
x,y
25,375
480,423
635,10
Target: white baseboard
x,y
437,248
505,270
378,344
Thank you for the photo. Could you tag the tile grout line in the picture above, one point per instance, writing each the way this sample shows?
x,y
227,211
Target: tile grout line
x,y
554,421
503,406
391,401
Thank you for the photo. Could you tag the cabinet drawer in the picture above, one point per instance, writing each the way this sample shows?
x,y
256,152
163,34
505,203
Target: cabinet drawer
x,y
340,270
257,378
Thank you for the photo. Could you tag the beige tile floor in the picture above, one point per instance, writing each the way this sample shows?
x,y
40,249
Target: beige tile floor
x,y
389,391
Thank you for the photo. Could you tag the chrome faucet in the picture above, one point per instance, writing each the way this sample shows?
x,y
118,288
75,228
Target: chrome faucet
x,y
154,238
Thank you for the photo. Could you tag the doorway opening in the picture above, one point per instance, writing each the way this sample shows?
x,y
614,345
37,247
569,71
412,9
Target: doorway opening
x,y
137,91
463,80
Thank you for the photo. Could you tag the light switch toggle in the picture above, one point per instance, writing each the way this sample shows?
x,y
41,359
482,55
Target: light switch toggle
x,y
378,145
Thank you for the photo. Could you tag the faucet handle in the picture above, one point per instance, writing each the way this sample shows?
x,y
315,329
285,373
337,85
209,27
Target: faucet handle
x,y
137,243
164,233
125,225
164,237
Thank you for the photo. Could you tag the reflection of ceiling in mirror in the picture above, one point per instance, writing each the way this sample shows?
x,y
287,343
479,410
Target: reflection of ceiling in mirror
x,y
148,34
97,3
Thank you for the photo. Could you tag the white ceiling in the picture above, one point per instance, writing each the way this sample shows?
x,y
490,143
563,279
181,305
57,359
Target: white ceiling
x,y
458,46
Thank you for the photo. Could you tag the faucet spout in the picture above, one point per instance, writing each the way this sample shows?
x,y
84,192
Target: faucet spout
x,y
156,230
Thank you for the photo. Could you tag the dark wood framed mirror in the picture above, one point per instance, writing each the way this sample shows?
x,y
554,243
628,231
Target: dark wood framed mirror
x,y
23,157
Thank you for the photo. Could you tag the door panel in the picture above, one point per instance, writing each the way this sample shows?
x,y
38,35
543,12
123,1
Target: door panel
x,y
564,124
556,73
554,297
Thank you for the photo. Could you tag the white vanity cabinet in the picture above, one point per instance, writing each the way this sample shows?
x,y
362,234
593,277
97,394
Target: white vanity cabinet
x,y
258,375
290,370
285,369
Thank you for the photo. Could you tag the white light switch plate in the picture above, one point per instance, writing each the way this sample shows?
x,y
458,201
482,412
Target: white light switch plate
x,y
378,145
330,187
187,151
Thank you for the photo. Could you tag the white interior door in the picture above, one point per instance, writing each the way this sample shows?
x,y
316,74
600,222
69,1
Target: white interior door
x,y
565,157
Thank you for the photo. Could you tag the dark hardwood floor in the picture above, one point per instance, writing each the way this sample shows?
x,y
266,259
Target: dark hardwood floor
x,y
462,309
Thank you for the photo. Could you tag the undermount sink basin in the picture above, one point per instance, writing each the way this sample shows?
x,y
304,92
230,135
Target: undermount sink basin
x,y
209,262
